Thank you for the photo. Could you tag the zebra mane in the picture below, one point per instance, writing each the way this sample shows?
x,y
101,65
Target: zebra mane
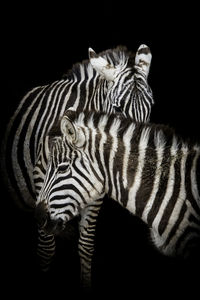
x,y
160,135
116,56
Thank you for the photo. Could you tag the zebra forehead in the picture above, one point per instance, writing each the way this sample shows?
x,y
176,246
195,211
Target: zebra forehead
x,y
120,54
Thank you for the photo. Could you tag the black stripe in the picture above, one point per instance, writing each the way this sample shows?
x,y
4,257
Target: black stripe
x,y
44,158
198,175
61,205
188,232
188,166
97,153
162,186
176,223
147,180
69,187
172,201
194,220
78,170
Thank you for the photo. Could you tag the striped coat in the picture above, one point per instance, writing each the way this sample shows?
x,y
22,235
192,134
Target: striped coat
x,y
112,81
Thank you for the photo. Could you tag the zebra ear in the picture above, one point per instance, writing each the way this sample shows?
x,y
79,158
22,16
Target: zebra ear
x,y
68,129
143,59
101,65
73,133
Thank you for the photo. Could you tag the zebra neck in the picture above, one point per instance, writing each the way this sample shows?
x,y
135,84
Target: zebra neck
x,y
97,99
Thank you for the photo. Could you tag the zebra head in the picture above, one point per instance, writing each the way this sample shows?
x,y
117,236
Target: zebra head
x,y
67,187
128,88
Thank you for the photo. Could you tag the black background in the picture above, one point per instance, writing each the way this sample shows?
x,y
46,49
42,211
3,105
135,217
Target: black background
x,y
39,44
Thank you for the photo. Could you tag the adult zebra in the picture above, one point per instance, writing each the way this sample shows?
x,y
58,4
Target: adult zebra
x,y
110,81
145,167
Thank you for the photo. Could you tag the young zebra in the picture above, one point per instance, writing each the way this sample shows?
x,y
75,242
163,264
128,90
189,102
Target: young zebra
x,y
148,169
114,80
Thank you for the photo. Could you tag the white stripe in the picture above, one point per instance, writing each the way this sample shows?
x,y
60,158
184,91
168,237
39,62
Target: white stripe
x,y
127,145
159,143
82,72
184,223
113,133
193,177
118,187
102,123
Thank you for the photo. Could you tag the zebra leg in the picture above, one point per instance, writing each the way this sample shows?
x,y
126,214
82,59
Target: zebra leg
x,y
87,227
45,249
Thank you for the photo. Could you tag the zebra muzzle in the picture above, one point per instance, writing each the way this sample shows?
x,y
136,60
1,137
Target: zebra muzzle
x,y
45,221
52,225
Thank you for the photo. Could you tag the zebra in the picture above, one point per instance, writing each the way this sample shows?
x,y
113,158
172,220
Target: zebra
x,y
112,81
147,168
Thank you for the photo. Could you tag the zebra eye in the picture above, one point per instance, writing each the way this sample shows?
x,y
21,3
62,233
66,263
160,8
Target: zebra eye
x,y
63,168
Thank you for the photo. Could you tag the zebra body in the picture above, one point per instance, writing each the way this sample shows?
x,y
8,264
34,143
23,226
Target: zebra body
x,y
145,167
109,82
